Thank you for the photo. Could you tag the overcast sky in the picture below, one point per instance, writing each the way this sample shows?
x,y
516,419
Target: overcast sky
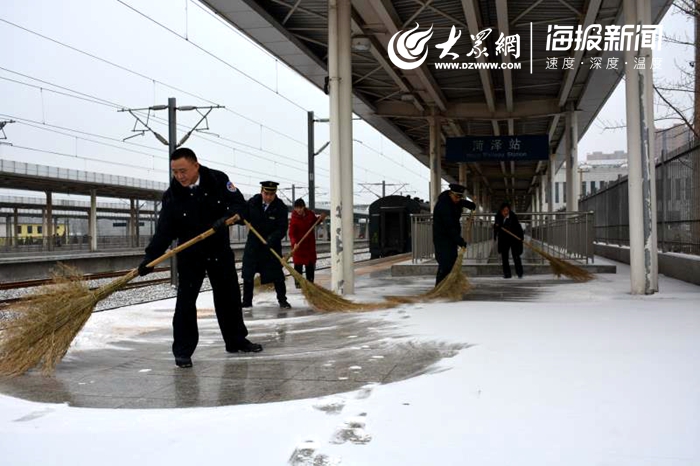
x,y
54,91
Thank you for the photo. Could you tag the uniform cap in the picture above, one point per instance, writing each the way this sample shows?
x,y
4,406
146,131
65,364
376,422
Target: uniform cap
x,y
457,189
269,186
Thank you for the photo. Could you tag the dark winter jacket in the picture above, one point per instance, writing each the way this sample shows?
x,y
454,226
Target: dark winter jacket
x,y
505,240
447,231
272,225
298,226
186,213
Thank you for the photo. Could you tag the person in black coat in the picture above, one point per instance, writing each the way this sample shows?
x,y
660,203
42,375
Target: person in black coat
x,y
507,219
200,198
447,231
269,216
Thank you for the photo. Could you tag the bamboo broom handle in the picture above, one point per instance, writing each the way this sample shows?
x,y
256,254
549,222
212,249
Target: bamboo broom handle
x,y
264,241
318,220
189,243
515,236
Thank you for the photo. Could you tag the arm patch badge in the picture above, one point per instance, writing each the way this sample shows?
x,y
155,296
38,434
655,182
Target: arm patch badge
x,y
231,187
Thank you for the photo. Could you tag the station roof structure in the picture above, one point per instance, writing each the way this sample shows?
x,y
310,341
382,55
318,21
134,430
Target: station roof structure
x,y
470,102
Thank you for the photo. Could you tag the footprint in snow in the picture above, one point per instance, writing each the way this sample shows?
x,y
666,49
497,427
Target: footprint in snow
x,y
353,430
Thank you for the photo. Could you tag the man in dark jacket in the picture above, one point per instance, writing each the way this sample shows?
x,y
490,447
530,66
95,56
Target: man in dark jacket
x,y
200,198
447,232
506,218
268,215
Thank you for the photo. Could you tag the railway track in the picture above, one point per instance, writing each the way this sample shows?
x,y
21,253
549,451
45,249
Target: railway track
x,y
129,286
46,281
139,284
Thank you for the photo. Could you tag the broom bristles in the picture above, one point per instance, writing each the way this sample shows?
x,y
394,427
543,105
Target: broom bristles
x,y
452,288
42,327
319,298
324,300
561,267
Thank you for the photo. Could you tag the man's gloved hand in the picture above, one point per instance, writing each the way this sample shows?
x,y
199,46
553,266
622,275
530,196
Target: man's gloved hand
x,y
220,224
461,243
144,269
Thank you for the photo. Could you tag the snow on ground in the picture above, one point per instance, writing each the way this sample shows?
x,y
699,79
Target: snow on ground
x,y
585,375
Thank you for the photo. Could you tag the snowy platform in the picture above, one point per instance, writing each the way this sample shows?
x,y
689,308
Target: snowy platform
x,y
537,371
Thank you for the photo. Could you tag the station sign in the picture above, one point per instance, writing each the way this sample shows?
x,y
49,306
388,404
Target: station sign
x,y
497,148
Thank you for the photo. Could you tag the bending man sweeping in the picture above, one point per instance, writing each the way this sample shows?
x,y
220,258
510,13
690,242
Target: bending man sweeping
x,y
269,216
200,198
447,232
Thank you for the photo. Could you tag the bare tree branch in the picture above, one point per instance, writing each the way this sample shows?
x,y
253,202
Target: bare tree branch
x,y
680,114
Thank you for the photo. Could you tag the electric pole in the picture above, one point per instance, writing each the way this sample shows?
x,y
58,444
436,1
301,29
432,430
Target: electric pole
x,y
171,142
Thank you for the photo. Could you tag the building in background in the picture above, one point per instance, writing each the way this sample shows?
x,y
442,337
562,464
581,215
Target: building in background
x,y
603,168
599,169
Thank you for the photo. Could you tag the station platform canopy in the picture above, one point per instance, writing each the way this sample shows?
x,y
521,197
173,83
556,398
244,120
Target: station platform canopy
x,y
398,102
42,178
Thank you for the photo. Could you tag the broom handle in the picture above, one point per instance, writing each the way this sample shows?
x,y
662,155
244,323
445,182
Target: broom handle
x,y
516,237
263,241
318,220
187,244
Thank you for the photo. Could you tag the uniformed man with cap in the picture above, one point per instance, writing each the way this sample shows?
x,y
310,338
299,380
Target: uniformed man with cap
x,y
269,216
200,198
447,232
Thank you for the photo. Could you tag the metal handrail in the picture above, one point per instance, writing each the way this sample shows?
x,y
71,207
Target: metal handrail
x,y
568,235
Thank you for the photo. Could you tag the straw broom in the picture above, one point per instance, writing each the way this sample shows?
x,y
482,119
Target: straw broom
x,y
452,288
559,266
319,298
42,327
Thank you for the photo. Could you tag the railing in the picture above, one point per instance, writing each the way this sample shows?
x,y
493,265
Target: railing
x,y
36,244
677,205
568,235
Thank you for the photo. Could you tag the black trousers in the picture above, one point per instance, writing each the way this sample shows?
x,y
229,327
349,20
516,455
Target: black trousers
x,y
310,269
506,265
446,260
280,289
221,269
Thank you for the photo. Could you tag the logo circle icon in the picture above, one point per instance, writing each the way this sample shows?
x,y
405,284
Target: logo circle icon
x,y
408,49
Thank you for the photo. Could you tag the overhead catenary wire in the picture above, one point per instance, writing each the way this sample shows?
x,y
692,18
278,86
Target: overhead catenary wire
x,y
216,57
98,100
101,101
153,80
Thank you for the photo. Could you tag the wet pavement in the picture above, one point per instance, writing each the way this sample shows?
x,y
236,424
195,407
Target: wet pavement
x,y
306,355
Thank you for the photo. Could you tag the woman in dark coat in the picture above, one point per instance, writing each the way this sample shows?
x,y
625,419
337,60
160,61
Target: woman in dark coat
x,y
304,255
507,219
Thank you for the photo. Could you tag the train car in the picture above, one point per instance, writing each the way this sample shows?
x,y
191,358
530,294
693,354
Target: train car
x,y
390,224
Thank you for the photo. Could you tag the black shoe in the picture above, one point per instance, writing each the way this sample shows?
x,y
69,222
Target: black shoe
x,y
183,362
244,346
246,304
285,305
520,276
507,276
